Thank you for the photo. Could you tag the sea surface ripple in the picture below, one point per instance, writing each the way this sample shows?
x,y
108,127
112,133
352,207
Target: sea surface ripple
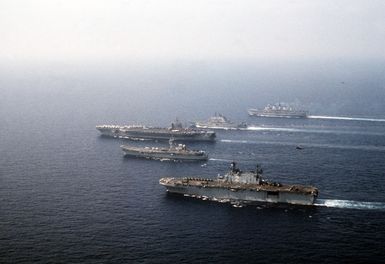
x,y
67,195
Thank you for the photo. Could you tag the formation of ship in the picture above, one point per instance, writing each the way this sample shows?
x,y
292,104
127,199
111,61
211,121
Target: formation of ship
x,y
236,186
174,152
278,110
219,121
241,188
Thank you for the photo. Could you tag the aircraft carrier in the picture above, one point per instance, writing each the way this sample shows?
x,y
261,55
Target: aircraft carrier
x,y
174,152
278,111
241,187
140,132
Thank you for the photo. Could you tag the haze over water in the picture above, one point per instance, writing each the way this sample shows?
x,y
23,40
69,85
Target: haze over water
x,y
68,195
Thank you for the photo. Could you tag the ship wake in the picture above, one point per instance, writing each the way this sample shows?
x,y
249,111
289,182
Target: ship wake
x,y
349,204
331,203
347,118
308,130
309,145
221,160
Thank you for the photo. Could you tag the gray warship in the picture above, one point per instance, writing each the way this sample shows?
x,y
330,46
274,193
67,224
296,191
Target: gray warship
x,y
140,132
174,152
278,110
241,187
219,121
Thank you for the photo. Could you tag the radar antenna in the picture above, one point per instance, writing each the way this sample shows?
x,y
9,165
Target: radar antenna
x,y
171,142
259,170
233,167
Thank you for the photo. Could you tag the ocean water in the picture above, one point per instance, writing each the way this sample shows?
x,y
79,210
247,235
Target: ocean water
x,y
67,195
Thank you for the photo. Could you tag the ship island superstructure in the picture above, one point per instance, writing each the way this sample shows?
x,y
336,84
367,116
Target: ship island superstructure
x,y
278,110
175,152
219,121
141,132
241,187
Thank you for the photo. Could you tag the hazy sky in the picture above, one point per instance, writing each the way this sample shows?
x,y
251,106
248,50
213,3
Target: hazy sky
x,y
196,29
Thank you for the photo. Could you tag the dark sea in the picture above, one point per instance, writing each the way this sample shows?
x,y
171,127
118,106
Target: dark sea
x,y
67,194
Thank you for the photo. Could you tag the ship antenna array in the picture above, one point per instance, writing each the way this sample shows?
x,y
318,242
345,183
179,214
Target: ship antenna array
x,y
171,141
259,170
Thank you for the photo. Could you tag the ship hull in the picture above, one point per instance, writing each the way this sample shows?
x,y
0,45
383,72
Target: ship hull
x,y
158,134
242,195
166,156
253,112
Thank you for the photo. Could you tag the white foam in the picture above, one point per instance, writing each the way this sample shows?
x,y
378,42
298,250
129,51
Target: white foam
x,y
234,141
347,118
312,130
222,160
281,129
349,204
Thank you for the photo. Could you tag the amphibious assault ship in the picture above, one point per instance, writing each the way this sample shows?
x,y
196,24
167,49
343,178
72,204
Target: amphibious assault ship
x,y
278,111
174,152
140,132
219,121
241,187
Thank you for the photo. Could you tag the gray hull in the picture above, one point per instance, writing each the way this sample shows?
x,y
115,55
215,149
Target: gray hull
x,y
285,114
158,134
161,156
231,195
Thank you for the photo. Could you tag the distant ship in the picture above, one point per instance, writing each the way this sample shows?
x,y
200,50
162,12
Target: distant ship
x,y
241,187
174,152
278,111
219,121
140,132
